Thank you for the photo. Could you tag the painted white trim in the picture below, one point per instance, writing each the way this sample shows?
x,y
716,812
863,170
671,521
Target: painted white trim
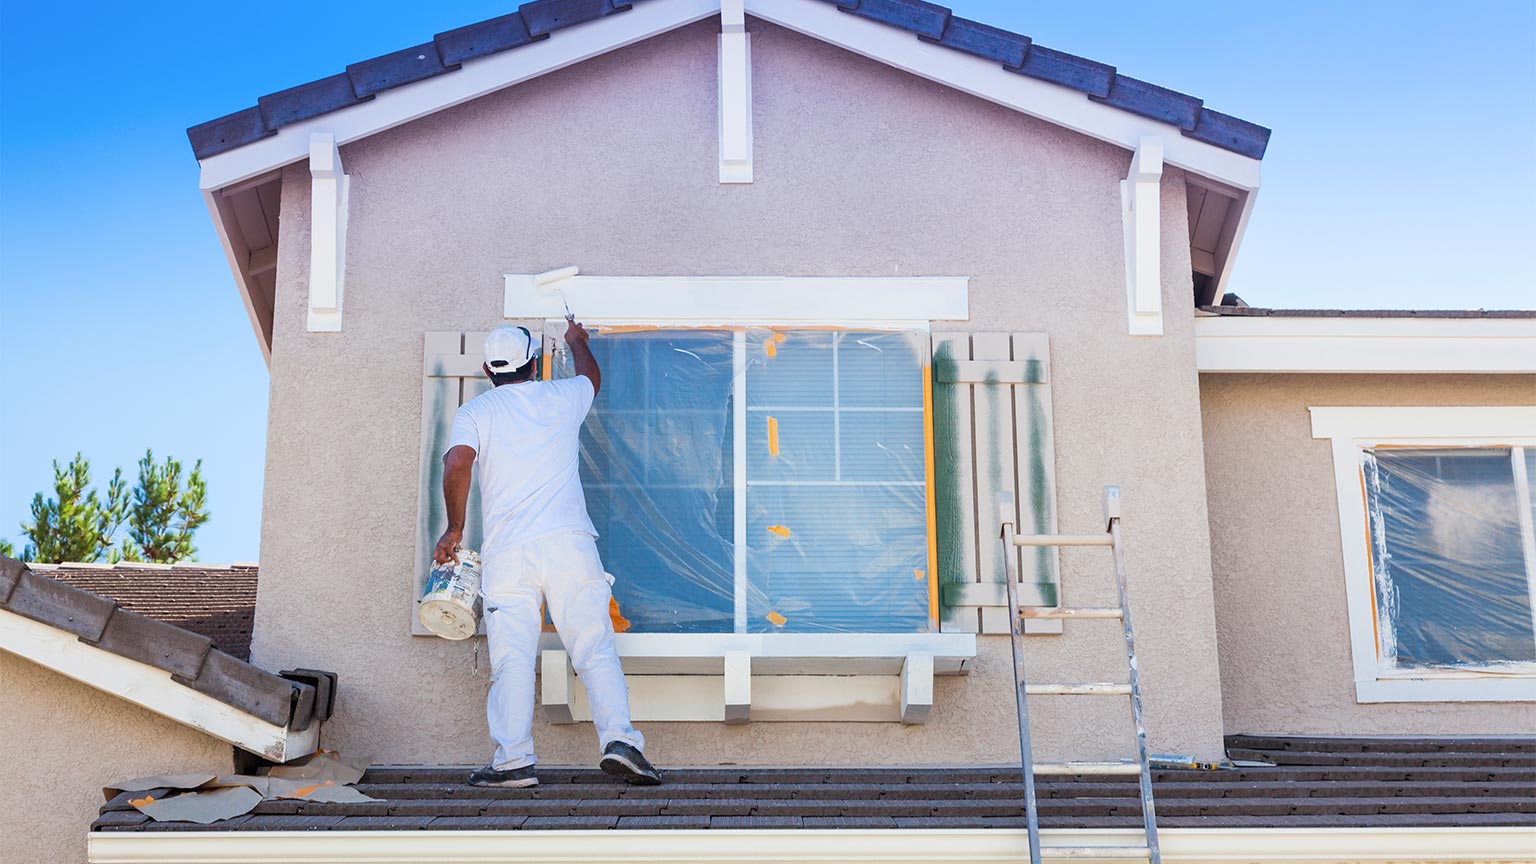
x,y
1351,429
329,185
1365,345
967,846
735,94
787,653
1142,218
785,300
151,688
238,262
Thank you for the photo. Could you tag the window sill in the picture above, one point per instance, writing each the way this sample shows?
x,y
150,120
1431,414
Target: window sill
x,y
1470,688
736,678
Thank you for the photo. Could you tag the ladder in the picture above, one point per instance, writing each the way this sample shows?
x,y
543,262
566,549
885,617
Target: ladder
x,y
1109,537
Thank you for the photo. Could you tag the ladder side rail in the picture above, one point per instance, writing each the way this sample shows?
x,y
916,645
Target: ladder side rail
x,y
1148,813
1016,636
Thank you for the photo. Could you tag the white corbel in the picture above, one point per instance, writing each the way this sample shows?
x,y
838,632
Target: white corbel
x,y
1141,212
735,94
916,688
555,690
327,232
738,687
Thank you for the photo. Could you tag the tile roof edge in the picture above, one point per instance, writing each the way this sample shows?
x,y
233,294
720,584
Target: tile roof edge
x,y
1268,312
101,623
928,22
141,565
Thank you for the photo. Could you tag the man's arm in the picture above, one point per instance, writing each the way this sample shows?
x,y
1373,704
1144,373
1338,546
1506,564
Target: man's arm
x,y
458,463
581,352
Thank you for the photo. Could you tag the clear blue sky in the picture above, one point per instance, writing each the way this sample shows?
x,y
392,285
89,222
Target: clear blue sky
x,y
1401,173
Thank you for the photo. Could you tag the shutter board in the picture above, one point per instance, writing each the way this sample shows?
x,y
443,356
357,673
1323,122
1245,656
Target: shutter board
x,y
451,376
990,437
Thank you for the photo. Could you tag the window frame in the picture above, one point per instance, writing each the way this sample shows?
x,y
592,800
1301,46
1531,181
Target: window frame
x,y
1352,431
741,416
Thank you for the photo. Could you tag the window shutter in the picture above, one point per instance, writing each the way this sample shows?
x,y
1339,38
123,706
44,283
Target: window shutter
x,y
992,433
449,378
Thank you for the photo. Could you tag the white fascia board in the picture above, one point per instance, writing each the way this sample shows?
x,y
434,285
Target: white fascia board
x,y
475,79
970,846
150,688
987,79
696,300
1365,345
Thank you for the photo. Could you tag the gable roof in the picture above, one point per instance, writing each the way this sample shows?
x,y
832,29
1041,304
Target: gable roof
x,y
535,21
217,601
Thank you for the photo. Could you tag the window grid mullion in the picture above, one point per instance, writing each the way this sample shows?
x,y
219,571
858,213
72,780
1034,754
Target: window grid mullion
x,y
739,476
837,418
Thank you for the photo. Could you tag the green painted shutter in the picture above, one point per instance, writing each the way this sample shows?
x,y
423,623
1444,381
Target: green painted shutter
x,y
992,432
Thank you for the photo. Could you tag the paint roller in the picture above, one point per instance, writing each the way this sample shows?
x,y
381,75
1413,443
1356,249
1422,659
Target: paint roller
x,y
548,283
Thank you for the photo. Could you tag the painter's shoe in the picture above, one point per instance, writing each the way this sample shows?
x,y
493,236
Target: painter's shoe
x,y
512,778
623,760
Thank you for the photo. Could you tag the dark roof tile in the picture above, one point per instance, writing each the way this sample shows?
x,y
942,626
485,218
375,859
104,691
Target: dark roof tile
x,y
164,646
228,132
295,104
547,16
1149,100
483,38
59,605
10,574
396,68
255,691
983,40
922,18
216,601
1230,133
1068,70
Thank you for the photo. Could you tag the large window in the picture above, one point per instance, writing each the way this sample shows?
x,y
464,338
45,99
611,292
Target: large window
x,y
759,481
1439,539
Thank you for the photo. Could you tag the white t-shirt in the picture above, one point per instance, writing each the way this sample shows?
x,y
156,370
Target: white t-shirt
x,y
526,438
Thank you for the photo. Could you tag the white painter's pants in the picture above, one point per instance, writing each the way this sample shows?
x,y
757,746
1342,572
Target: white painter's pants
x,y
563,570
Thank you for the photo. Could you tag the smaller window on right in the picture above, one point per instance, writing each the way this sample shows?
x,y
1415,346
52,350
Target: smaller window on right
x,y
1448,557
1438,532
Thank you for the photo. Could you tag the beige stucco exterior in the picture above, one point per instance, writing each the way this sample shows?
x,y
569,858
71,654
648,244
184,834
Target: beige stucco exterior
x,y
69,741
1283,632
859,170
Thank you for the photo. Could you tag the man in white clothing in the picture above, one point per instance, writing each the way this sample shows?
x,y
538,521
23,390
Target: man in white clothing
x,y
539,550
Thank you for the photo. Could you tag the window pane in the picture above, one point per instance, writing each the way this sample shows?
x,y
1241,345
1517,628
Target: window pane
x,y
1450,576
837,483
657,471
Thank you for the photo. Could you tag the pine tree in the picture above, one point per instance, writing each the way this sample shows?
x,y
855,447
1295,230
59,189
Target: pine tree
x,y
165,513
75,525
7,549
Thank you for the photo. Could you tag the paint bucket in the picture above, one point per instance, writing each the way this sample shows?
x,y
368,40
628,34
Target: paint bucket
x,y
451,606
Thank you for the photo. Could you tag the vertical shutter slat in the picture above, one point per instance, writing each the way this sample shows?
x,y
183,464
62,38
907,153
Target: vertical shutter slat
x,y
995,447
954,483
1036,489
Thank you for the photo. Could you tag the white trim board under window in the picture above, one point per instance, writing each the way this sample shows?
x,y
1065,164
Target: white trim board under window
x,y
1354,432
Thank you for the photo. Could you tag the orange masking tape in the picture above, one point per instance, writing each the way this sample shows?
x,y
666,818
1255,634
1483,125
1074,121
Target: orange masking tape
x,y
776,619
779,530
773,436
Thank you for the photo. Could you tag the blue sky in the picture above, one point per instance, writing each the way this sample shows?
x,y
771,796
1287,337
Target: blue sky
x,y
1401,174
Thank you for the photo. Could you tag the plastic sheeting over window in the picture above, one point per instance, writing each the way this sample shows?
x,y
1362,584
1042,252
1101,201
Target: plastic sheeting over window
x,y
1449,547
761,480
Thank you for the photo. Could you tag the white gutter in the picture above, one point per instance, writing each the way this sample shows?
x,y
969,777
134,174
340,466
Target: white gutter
x,y
1247,845
1226,343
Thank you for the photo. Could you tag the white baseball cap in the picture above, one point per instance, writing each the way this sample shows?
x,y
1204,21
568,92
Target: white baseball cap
x,y
509,348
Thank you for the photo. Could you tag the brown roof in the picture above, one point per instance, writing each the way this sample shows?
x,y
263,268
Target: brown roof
x,y
213,600
1256,312
1316,782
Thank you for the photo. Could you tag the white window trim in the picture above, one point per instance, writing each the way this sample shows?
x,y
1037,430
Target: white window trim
x,y
1352,430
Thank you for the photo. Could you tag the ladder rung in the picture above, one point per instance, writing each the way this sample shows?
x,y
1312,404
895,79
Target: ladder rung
x,y
1087,768
1105,539
1062,612
1097,689
1136,852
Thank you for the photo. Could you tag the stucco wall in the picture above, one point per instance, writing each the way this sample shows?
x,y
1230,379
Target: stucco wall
x,y
63,742
1282,618
612,165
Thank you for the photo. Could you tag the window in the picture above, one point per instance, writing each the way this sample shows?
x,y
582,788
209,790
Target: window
x,y
1436,516
761,481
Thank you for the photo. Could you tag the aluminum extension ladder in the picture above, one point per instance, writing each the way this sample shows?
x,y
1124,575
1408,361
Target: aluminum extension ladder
x,y
1109,537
